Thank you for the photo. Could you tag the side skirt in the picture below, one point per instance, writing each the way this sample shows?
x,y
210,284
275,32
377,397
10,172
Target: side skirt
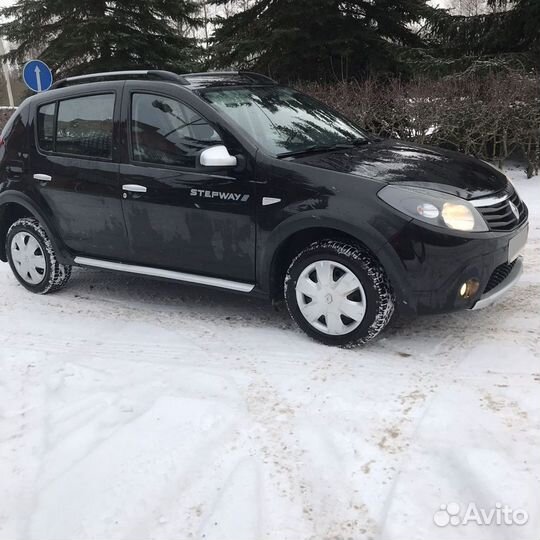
x,y
166,274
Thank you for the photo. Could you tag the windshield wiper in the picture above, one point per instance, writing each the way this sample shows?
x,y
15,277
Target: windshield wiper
x,y
315,149
319,148
360,142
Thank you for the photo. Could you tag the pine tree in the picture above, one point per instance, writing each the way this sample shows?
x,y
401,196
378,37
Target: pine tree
x,y
84,36
508,36
320,39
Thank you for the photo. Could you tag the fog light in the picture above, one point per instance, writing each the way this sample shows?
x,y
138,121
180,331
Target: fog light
x,y
469,288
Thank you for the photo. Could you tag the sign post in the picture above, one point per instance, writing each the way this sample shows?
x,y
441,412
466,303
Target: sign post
x,y
37,76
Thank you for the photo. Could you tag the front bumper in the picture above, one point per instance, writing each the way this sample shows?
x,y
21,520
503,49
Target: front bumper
x,y
433,266
501,290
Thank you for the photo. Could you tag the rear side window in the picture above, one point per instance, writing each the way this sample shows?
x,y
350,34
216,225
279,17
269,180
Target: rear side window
x,y
167,132
85,126
45,121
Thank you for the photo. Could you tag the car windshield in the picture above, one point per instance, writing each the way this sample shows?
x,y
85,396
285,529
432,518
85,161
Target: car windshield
x,y
283,121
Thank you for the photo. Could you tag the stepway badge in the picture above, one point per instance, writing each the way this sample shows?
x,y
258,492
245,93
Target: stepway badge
x,y
37,76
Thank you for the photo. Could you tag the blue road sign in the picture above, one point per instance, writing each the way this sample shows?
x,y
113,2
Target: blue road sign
x,y
37,76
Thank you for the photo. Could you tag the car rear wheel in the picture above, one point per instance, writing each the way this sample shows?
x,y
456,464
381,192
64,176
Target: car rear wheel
x,y
32,258
338,293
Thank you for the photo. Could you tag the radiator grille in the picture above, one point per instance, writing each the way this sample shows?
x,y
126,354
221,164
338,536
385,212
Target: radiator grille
x,y
501,216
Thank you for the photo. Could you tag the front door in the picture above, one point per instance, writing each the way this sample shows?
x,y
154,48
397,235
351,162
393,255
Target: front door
x,y
179,216
77,175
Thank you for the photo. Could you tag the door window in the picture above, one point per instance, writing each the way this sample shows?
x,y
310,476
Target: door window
x,y
46,114
167,132
85,126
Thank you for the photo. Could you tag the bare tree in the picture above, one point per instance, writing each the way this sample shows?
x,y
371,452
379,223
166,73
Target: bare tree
x,y
208,12
468,8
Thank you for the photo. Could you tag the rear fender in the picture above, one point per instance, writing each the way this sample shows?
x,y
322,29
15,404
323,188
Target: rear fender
x,y
63,254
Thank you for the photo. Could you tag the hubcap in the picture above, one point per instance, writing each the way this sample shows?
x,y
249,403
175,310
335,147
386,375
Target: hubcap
x,y
28,258
331,298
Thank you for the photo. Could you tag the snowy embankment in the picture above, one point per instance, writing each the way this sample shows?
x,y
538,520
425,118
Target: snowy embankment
x,y
135,409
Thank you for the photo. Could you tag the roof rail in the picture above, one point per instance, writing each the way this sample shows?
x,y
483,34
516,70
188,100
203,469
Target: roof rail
x,y
255,77
258,76
151,74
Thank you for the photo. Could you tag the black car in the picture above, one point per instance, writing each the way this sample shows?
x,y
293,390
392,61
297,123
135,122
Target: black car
x,y
229,180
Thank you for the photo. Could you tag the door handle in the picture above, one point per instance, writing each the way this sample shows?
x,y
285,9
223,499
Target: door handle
x,y
134,188
42,177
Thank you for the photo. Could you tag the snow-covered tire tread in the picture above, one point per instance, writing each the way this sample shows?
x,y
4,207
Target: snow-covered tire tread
x,y
59,274
375,273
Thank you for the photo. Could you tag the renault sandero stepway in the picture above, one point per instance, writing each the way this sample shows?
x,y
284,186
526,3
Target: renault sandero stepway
x,y
230,180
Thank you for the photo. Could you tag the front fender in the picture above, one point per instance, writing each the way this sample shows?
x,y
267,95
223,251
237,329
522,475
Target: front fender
x,y
367,235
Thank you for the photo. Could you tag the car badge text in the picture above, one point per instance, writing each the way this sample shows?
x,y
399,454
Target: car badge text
x,y
222,195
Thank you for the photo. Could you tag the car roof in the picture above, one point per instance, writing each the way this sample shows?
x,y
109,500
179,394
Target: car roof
x,y
227,78
192,81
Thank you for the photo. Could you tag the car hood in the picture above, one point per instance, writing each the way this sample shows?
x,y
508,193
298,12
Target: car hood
x,y
414,165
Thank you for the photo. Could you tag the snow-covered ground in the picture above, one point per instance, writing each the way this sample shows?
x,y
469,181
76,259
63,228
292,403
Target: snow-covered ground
x,y
135,409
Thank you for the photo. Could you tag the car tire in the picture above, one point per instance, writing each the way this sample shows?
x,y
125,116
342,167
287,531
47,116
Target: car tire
x,y
32,258
349,289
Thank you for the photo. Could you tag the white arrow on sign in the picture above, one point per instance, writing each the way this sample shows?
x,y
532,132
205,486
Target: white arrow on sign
x,y
38,78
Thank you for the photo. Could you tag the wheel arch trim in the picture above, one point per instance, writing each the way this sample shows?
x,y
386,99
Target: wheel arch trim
x,y
366,236
15,197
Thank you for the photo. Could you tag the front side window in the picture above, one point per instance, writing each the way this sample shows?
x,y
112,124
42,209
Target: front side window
x,y
167,132
85,126
282,120
45,122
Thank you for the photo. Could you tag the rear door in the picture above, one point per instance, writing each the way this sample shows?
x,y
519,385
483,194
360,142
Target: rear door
x,y
180,216
75,169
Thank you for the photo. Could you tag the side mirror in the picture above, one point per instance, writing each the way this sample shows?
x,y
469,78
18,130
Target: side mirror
x,y
217,156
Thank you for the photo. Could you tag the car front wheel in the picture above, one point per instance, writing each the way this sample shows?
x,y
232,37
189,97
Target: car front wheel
x,y
32,258
338,293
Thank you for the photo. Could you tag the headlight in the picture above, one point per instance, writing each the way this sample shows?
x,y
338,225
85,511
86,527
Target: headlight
x,y
434,208
458,216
